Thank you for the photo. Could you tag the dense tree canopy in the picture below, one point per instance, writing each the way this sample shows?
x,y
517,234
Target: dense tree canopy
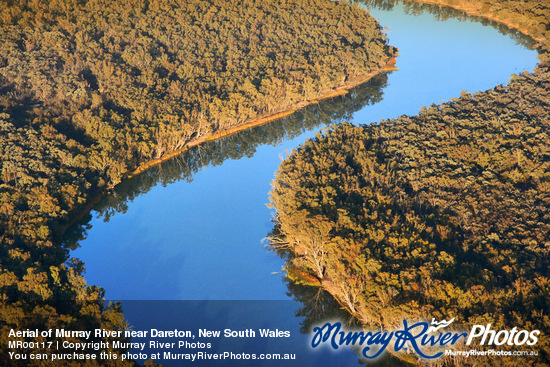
x,y
444,214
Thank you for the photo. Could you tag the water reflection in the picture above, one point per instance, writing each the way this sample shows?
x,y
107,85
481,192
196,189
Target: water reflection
x,y
236,146
442,13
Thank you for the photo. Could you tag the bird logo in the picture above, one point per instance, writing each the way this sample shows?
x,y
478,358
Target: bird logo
x,y
436,325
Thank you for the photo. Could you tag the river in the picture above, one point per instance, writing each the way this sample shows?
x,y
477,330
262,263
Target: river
x,y
192,228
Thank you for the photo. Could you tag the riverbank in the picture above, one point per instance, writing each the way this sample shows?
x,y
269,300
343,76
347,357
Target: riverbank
x,y
72,130
331,93
476,9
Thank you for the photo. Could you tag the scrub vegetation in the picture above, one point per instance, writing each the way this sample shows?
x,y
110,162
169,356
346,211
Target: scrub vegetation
x,y
90,90
443,214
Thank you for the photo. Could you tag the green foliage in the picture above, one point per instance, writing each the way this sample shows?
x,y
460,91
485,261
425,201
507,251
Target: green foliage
x,y
93,89
446,213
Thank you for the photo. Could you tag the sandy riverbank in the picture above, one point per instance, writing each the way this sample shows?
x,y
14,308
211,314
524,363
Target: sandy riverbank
x,y
343,89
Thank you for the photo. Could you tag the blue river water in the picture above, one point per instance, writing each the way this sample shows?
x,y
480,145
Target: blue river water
x,y
198,235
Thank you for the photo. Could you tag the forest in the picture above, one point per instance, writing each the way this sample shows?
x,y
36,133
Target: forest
x,y
92,89
446,213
